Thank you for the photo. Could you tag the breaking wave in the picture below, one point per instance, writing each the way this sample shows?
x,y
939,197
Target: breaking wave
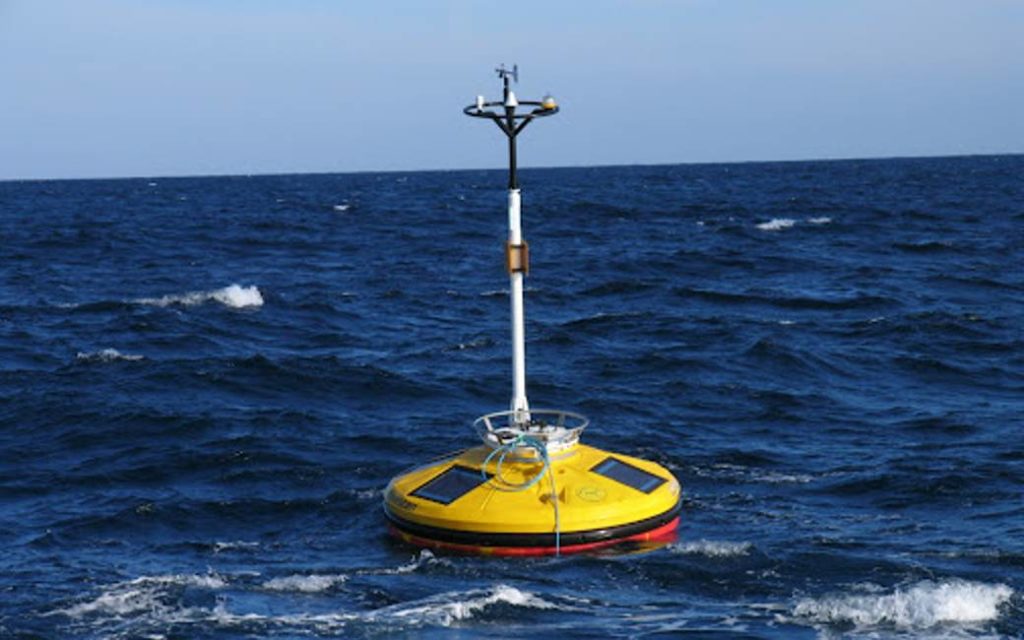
x,y
144,594
446,608
147,604
426,557
924,605
712,548
106,355
305,584
234,296
219,547
776,224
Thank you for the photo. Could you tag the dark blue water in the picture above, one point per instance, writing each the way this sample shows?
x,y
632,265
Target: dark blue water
x,y
206,383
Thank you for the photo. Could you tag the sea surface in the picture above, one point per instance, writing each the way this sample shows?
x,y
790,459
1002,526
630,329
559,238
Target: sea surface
x,y
206,384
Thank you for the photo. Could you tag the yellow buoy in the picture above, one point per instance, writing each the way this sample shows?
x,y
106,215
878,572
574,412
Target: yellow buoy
x,y
531,488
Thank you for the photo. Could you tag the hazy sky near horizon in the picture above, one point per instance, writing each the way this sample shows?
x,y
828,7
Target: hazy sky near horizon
x,y
184,87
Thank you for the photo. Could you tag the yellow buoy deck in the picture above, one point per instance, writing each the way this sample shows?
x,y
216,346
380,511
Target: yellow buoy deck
x,y
531,502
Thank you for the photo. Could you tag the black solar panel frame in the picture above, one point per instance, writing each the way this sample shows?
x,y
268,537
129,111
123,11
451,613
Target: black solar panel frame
x,y
429,490
610,465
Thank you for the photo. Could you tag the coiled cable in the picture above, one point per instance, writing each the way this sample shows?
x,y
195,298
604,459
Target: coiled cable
x,y
503,450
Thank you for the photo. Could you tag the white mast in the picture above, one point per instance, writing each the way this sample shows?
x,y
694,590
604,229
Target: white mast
x,y
517,266
517,256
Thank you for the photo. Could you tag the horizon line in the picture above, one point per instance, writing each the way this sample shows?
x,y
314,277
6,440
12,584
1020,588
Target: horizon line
x,y
186,176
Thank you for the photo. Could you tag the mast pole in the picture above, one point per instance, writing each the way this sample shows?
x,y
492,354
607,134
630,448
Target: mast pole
x,y
516,258
517,255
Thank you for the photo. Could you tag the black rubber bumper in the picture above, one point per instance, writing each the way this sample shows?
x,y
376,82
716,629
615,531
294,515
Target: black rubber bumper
x,y
565,538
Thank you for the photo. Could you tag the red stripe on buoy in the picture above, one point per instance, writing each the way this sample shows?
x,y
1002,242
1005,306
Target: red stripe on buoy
x,y
664,534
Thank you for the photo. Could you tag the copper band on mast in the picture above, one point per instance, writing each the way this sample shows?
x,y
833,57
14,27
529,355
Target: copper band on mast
x,y
517,257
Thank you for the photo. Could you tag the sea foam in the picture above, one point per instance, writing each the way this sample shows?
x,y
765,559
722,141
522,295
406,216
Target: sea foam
x,y
305,584
106,355
921,606
447,608
712,548
146,604
234,296
776,224
219,547
144,594
425,557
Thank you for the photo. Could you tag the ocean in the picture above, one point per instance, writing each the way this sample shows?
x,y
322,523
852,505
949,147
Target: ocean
x,y
206,384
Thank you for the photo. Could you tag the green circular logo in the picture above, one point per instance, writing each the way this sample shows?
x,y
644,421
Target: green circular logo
x,y
590,493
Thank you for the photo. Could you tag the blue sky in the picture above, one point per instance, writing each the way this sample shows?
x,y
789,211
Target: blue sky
x,y
184,87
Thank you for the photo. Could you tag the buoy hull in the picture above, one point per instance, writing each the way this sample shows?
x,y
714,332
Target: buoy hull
x,y
587,500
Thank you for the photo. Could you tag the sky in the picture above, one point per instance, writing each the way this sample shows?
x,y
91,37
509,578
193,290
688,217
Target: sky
x,y
123,88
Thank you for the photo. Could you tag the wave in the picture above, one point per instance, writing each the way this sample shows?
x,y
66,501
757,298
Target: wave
x,y
712,548
476,343
426,557
777,224
305,583
106,355
601,318
143,594
922,606
234,296
501,293
148,604
237,545
924,246
319,583
446,608
617,288
783,300
748,475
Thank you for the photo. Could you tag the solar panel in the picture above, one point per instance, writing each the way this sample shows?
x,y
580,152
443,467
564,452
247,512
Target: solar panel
x,y
451,485
628,475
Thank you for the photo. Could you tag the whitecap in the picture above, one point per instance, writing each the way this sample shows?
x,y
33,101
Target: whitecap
x,y
446,608
146,593
238,297
231,546
476,343
776,224
772,477
342,207
712,548
368,494
144,604
820,220
921,606
425,557
746,474
304,583
107,355
234,296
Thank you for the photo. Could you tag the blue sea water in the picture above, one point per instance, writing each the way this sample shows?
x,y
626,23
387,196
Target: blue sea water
x,y
206,383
